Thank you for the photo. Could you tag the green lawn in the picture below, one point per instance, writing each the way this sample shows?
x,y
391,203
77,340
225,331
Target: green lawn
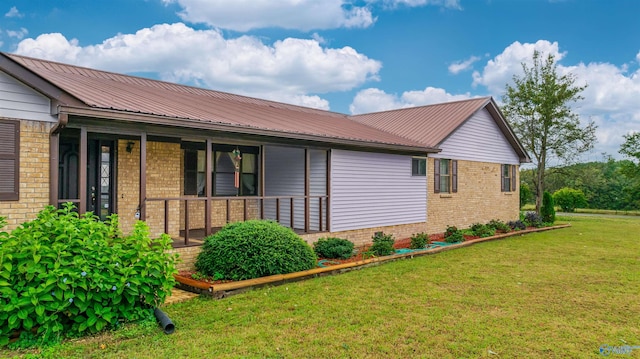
x,y
560,293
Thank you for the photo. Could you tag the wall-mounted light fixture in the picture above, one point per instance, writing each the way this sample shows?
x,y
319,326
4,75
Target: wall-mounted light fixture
x,y
130,146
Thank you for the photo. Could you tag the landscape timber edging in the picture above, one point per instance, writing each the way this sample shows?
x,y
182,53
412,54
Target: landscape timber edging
x,y
226,289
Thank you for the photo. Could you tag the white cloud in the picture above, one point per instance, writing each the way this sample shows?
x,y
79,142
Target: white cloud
x,y
244,15
452,4
290,70
460,66
18,34
13,12
610,99
376,100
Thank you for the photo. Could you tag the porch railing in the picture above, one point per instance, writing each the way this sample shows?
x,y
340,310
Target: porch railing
x,y
302,213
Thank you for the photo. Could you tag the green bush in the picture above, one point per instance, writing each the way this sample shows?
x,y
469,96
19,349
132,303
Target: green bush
x,y
419,240
382,244
499,226
525,194
333,248
252,249
482,230
453,235
569,199
548,211
63,273
532,219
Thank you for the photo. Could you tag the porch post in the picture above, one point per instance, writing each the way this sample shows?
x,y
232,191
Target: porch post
x,y
54,158
307,187
328,191
261,180
143,176
208,170
82,180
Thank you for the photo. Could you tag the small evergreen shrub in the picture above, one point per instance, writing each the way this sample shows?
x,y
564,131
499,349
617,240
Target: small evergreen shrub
x,y
382,244
419,240
569,199
482,230
335,248
453,235
532,219
499,226
548,211
517,225
69,274
252,249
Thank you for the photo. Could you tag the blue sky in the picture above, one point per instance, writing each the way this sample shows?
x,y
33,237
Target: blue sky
x,y
349,56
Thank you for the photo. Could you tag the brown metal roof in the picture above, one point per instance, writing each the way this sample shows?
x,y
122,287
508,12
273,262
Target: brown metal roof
x,y
432,124
185,104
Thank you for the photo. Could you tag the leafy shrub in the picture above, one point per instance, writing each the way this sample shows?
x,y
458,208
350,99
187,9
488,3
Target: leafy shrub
x,y
453,235
569,199
482,230
548,211
382,244
333,248
252,249
517,225
65,273
532,219
419,240
499,226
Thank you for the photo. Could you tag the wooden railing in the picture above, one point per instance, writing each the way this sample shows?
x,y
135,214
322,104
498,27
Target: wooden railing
x,y
314,213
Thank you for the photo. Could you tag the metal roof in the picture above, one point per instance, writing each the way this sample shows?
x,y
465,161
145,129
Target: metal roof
x,y
185,105
431,125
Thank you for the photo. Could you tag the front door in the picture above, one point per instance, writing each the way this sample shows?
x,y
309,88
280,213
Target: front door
x,y
100,173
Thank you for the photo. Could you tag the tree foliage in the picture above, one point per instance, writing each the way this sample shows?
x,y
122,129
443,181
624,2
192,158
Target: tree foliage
x,y
538,108
548,211
631,148
569,199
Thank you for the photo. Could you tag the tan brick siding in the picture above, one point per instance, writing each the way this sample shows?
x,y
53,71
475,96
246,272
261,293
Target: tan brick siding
x,y
34,175
478,199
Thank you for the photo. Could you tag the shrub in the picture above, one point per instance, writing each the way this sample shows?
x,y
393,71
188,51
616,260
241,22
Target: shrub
x,y
569,199
419,240
382,244
532,219
482,230
499,226
252,249
548,211
453,235
65,273
525,194
517,225
333,248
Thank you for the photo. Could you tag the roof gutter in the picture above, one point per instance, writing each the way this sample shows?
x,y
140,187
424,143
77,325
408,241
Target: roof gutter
x,y
229,128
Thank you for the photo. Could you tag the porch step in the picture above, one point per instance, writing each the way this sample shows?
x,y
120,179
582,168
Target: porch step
x,y
179,295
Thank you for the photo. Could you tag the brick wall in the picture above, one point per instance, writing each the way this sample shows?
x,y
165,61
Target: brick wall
x,y
478,199
34,175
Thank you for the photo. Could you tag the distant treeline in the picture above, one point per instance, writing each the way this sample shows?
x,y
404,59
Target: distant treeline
x,y
603,183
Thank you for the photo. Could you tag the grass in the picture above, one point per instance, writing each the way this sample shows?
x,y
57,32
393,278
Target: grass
x,y
560,293
618,212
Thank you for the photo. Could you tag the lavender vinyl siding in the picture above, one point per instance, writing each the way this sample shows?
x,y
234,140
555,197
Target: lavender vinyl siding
x,y
21,102
284,176
317,187
374,189
479,139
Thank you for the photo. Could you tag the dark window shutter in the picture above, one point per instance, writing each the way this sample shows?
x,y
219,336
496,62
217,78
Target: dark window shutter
x,y
190,172
502,188
513,178
454,176
9,160
436,176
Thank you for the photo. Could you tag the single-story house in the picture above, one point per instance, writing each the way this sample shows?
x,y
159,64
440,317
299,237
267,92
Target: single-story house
x,y
189,160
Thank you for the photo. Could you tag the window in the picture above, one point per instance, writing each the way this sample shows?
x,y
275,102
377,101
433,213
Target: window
x,y
224,171
419,167
9,160
508,178
445,176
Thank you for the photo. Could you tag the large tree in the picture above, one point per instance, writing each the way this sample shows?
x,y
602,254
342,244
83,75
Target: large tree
x,y
631,149
538,108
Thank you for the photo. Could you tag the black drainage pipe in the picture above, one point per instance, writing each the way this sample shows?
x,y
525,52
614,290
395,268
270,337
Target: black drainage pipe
x,y
165,322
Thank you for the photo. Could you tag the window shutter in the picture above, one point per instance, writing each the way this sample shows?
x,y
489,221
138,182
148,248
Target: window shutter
x,y
513,178
436,176
9,160
454,176
190,172
502,178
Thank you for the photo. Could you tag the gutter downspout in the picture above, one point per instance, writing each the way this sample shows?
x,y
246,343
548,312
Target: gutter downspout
x,y
54,154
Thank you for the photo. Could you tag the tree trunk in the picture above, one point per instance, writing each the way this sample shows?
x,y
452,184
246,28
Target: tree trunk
x,y
540,185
